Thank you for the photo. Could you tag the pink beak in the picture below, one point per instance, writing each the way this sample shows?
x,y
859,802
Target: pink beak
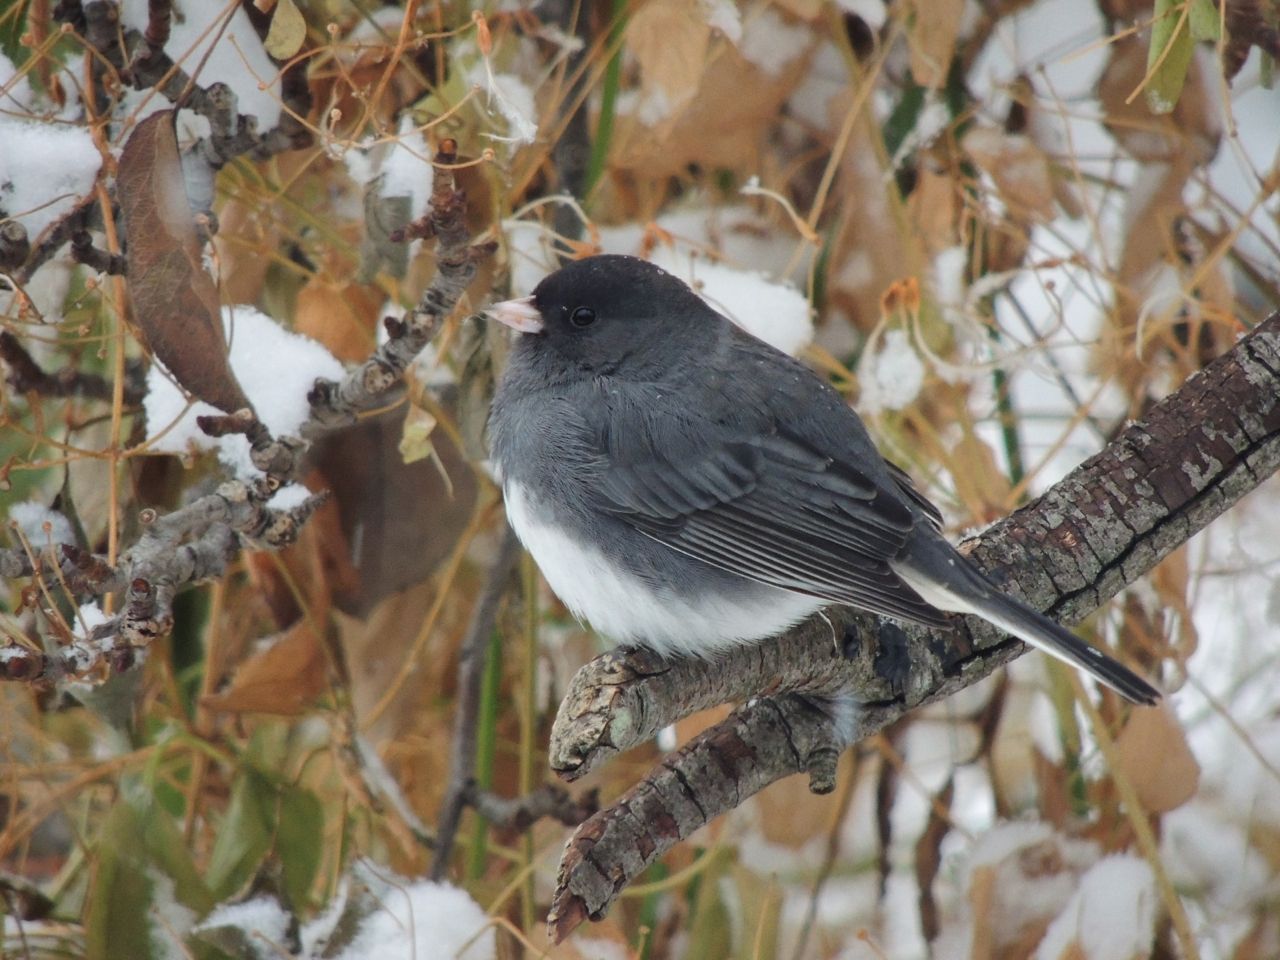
x,y
519,315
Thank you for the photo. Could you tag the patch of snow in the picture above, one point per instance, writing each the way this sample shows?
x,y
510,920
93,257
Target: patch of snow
x,y
892,375
31,517
1111,916
772,43
423,920
274,366
44,169
237,58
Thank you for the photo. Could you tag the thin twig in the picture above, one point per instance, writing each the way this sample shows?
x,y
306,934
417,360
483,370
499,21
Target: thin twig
x,y
462,762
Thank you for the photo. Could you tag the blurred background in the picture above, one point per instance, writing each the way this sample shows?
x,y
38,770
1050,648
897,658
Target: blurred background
x,y
1003,229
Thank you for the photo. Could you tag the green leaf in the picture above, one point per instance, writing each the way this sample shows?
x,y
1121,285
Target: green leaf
x,y
137,850
1169,55
298,843
121,898
1206,24
244,837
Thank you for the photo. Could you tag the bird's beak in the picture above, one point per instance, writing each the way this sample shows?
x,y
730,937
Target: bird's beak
x,y
519,315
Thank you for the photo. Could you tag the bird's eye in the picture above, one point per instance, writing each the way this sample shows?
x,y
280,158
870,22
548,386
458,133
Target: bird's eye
x,y
582,317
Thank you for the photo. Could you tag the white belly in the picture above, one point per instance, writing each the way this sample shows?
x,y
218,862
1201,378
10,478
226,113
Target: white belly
x,y
620,606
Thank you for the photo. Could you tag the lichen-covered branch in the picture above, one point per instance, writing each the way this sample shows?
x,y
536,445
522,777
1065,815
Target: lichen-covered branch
x,y
1102,527
336,404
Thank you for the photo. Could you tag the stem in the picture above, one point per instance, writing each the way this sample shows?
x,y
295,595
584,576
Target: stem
x,y
608,100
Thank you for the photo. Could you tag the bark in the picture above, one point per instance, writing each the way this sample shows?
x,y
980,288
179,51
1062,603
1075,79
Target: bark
x,y
1098,530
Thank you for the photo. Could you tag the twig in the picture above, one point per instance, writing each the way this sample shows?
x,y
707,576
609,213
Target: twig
x,y
470,669
83,251
336,404
520,813
26,376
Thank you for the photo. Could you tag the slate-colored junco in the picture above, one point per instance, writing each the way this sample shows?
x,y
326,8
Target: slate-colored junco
x,y
686,487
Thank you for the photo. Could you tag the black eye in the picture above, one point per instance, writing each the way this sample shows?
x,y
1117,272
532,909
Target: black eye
x,y
582,317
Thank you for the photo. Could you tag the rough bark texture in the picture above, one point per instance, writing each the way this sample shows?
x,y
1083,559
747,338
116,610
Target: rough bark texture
x,y
1107,524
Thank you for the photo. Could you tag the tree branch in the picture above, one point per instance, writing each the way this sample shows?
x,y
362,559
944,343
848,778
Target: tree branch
x,y
1105,525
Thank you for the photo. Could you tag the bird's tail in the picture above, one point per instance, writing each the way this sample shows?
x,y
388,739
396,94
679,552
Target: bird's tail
x,y
948,581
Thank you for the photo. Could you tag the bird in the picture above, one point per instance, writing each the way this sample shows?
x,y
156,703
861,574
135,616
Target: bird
x,y
687,488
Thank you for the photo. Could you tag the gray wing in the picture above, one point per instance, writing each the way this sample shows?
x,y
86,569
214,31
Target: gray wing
x,y
775,510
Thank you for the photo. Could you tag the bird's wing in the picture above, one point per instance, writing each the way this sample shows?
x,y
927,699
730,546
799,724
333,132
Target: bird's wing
x,y
772,508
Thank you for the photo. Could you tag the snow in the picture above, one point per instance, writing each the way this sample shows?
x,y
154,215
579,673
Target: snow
x,y
15,91
403,164
288,497
511,98
170,920
890,375
776,313
1111,916
237,59
44,170
31,516
88,616
263,921
825,80
423,920
772,43
275,368
650,107
407,170
723,15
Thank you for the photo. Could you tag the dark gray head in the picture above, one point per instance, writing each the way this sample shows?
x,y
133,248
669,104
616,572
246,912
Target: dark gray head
x,y
611,315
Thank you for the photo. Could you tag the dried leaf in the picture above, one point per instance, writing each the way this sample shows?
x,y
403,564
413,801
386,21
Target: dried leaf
x,y
792,815
1053,784
981,483
934,27
288,31
709,122
415,440
284,679
935,206
174,300
1152,752
669,40
1019,168
341,315
400,520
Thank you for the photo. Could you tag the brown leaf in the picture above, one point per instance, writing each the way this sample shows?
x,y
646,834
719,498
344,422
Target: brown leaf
x,y
934,28
706,121
981,483
1152,752
1053,784
1019,168
283,679
669,41
174,300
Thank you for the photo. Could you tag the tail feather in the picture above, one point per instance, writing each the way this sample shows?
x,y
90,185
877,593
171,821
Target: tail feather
x,y
949,582
1054,639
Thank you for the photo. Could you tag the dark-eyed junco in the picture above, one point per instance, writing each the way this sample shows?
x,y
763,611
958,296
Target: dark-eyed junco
x,y
686,487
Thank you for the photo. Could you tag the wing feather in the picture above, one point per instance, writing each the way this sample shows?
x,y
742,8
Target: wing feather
x,y
776,511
